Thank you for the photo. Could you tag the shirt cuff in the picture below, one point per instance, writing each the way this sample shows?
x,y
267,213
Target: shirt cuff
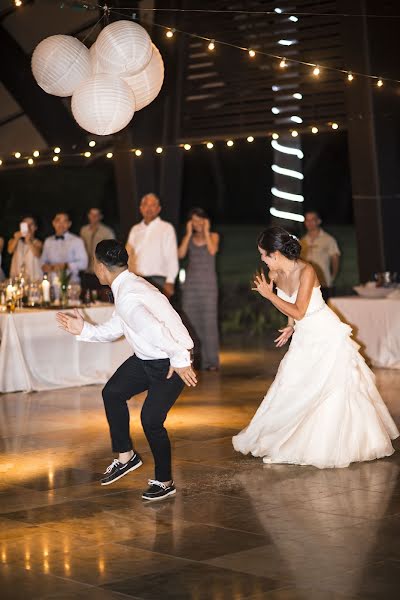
x,y
182,359
85,333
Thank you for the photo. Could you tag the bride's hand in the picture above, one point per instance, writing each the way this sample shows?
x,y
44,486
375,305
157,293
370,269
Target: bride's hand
x,y
262,286
286,334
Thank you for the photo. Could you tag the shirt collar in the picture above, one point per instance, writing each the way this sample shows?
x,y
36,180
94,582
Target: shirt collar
x,y
67,235
152,223
120,279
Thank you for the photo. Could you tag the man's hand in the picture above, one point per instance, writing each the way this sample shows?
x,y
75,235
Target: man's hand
x,y
71,323
187,375
169,289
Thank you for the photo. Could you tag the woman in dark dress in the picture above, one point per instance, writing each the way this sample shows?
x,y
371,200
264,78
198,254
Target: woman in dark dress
x,y
200,290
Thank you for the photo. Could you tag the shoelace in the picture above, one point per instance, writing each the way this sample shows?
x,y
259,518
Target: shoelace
x,y
155,482
114,463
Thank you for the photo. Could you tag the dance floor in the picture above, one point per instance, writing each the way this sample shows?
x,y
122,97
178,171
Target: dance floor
x,y
237,529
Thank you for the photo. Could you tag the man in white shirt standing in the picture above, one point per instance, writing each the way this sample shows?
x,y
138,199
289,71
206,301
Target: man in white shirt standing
x,y
152,247
160,364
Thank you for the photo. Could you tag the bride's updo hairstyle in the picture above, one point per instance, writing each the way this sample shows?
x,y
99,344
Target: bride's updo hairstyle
x,y
277,238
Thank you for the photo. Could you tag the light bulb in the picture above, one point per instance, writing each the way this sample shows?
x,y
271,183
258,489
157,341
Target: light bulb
x,y
92,143
229,143
252,53
275,110
283,64
138,152
1,162
88,154
159,150
17,154
18,2
275,136
316,71
30,161
314,129
187,146
250,139
379,83
294,133
298,96
211,45
335,126
210,145
57,150
36,153
350,77
109,154
170,33
55,158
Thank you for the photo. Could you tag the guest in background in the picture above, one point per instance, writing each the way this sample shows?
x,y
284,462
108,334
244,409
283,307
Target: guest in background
x,y
321,250
93,233
26,249
152,247
64,250
2,276
200,290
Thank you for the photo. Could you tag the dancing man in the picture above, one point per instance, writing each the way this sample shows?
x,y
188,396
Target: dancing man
x,y
160,364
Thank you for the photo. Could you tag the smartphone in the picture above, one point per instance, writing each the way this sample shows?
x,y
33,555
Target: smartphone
x,y
23,227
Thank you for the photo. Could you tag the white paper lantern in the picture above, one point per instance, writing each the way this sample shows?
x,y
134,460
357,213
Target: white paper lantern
x,y
123,48
103,104
60,63
94,60
147,84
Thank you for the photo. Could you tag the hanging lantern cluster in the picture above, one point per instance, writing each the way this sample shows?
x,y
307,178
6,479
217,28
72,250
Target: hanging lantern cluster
x,y
121,73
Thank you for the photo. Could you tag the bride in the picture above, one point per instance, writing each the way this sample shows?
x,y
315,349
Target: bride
x,y
323,408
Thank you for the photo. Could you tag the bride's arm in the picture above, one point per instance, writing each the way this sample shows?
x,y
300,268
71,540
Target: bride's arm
x,y
298,309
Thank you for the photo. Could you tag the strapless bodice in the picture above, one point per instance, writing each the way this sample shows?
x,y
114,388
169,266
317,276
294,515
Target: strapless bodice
x,y
316,303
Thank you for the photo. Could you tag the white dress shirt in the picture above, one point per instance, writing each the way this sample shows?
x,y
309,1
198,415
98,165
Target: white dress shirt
x,y
319,251
145,317
155,248
70,250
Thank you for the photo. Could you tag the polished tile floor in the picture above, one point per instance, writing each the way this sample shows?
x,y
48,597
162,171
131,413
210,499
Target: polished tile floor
x,y
237,529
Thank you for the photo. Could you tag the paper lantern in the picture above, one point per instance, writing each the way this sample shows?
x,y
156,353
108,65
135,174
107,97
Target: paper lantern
x,y
60,63
147,84
94,60
103,104
123,48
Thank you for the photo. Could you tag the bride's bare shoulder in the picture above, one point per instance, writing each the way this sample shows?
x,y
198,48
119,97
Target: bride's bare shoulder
x,y
308,272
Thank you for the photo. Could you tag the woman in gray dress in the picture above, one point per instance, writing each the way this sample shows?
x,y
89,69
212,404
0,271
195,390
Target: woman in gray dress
x,y
200,290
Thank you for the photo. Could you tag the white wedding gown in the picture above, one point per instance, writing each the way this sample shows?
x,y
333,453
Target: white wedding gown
x,y
323,408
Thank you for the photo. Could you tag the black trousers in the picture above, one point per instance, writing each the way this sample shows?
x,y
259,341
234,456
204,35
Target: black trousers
x,y
133,377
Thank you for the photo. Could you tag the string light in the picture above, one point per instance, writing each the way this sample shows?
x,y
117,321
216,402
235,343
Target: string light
x,y
55,159
210,145
295,133
170,33
109,155
92,143
250,139
57,150
159,150
211,45
314,129
18,2
36,153
275,110
335,126
30,161
17,154
283,64
379,83
187,146
298,96
296,119
275,136
350,77
87,154
1,162
229,143
252,53
316,71
138,152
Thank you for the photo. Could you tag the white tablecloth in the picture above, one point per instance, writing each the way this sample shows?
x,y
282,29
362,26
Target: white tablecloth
x,y
36,355
376,326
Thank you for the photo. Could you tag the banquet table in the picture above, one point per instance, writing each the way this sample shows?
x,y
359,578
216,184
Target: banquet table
x,y
36,355
376,327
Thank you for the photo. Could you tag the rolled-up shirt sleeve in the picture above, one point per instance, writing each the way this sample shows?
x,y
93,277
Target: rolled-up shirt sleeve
x,y
156,333
109,331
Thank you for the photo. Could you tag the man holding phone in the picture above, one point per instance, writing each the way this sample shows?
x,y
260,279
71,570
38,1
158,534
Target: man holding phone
x,y
26,250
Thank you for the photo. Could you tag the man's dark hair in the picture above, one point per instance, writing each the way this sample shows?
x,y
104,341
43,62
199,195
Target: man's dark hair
x,y
112,254
63,212
313,212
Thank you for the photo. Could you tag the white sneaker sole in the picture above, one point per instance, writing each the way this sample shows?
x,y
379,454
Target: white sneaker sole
x,y
139,464
171,493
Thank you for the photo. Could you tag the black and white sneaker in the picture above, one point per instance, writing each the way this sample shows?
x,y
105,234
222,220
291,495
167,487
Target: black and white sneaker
x,y
158,490
118,469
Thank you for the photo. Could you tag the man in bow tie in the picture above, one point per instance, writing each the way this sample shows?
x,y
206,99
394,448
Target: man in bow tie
x,y
64,250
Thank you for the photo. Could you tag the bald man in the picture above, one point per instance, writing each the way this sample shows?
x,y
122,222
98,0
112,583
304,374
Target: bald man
x,y
152,247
